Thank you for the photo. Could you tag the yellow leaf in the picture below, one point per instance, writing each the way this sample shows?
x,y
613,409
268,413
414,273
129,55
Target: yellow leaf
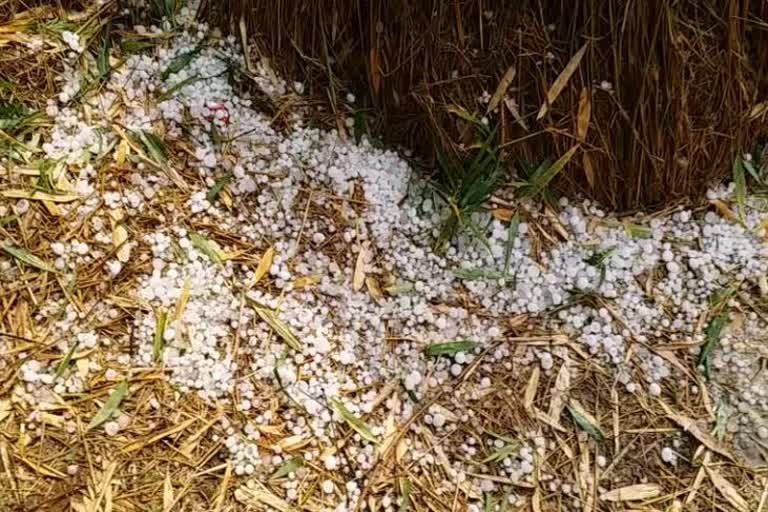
x,y
40,196
121,152
119,238
358,279
264,263
636,492
561,81
304,281
501,89
585,112
589,171
728,490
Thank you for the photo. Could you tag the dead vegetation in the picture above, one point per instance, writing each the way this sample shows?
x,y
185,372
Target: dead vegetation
x,y
671,91
168,458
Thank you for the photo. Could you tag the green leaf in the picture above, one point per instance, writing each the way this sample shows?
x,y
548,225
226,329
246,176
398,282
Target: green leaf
x,y
740,182
8,219
206,247
502,453
712,332
360,128
131,46
27,258
584,422
475,274
168,93
158,339
637,231
406,489
288,467
110,406
598,259
450,348
215,190
270,317
180,62
12,115
154,145
64,363
353,421
514,224
543,175
102,59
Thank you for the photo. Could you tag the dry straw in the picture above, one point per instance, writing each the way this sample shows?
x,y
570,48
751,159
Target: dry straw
x,y
682,95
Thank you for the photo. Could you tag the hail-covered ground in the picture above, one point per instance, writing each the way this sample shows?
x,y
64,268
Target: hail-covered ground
x,y
286,278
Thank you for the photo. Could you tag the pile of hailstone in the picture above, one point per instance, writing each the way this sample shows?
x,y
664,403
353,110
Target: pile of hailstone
x,y
359,272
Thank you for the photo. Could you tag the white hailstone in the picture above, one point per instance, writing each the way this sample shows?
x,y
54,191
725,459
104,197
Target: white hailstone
x,y
330,462
111,428
668,455
328,486
438,420
350,98
601,461
412,380
72,469
654,389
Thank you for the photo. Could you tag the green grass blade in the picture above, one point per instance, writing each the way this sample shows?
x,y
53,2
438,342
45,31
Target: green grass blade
x,y
110,406
585,423
270,317
64,363
450,348
353,421
158,339
215,190
476,274
406,489
712,332
27,258
206,247
514,225
541,178
740,182
180,62
288,467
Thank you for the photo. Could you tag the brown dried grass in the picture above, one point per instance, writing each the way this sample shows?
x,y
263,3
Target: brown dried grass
x,y
688,78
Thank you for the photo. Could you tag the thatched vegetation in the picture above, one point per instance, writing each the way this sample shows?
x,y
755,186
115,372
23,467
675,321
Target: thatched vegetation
x,y
674,89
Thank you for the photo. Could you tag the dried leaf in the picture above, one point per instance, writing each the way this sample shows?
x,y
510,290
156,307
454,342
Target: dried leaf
x,y
110,406
375,71
561,81
531,388
728,490
264,263
167,493
589,171
260,498
450,348
373,287
353,421
692,427
121,152
358,279
27,258
119,237
585,112
406,488
636,492
501,89
511,105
